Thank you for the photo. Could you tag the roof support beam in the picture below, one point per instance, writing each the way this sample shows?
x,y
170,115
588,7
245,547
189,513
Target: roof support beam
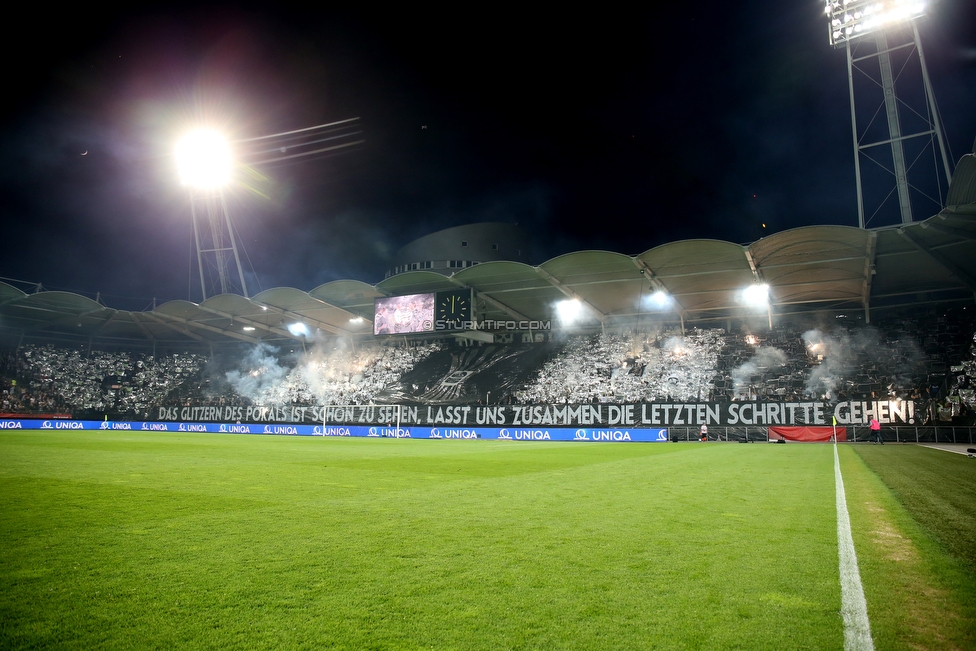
x,y
69,318
818,261
948,230
209,328
552,280
104,323
143,328
752,265
512,312
869,272
758,276
250,322
656,283
948,264
166,324
328,327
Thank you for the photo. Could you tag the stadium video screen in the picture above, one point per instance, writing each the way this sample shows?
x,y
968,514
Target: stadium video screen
x,y
404,314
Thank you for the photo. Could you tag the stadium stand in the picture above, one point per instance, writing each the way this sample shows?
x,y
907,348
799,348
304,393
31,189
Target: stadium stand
x,y
927,356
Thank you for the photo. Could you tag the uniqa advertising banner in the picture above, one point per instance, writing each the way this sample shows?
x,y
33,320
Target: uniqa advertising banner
x,y
619,435
640,415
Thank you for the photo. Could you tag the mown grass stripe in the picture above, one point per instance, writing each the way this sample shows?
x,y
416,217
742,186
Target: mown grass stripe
x,y
853,607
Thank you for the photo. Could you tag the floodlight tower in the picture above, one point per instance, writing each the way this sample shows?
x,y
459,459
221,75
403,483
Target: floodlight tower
x,y
883,47
204,162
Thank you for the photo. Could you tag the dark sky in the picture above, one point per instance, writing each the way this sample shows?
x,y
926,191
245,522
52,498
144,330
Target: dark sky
x,y
612,130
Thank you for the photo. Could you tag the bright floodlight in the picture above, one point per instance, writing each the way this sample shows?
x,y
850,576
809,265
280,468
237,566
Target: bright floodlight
x,y
660,298
203,159
756,295
569,310
298,329
850,19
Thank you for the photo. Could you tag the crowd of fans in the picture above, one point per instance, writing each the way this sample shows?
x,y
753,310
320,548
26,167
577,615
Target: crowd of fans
x,y
46,379
931,360
629,368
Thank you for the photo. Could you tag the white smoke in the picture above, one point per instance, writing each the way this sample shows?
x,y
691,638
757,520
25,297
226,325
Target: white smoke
x,y
327,374
765,359
841,356
835,357
260,375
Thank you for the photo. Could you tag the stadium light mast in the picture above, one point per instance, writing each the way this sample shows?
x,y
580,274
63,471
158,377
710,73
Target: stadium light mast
x,y
204,162
883,46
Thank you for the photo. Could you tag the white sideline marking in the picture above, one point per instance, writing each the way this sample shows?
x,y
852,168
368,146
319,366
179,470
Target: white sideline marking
x,y
853,608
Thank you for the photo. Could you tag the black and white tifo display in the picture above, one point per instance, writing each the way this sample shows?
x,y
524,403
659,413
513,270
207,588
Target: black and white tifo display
x,y
663,379
808,377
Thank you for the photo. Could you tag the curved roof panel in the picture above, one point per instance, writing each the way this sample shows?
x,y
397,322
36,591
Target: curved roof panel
x,y
345,293
701,275
414,282
611,283
815,263
509,290
9,293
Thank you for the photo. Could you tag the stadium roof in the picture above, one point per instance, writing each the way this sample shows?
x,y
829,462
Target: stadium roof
x,y
815,267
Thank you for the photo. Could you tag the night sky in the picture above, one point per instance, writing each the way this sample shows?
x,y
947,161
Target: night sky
x,y
614,130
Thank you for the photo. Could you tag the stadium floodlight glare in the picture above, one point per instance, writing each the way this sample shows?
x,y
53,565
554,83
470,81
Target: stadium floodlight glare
x,y
203,159
756,295
298,329
851,19
660,298
569,311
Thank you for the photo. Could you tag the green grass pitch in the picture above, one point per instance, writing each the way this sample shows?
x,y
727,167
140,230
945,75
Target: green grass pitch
x,y
143,540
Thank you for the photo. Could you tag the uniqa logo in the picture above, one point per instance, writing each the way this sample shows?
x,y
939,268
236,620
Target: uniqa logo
x,y
11,424
504,434
532,434
281,429
611,435
435,433
68,424
460,434
47,425
581,435
372,432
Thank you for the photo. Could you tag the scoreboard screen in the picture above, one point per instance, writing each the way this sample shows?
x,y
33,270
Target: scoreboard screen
x,y
404,314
